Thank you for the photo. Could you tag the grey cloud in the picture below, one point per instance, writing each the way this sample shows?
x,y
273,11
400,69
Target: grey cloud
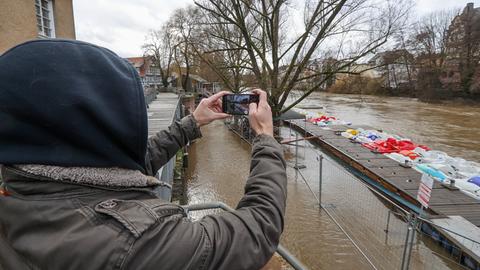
x,y
121,25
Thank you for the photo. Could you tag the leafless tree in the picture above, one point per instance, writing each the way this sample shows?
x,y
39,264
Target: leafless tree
x,y
159,45
220,49
183,25
280,47
430,37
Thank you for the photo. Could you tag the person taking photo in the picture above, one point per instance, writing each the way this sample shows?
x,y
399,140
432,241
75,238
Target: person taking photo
x,y
78,190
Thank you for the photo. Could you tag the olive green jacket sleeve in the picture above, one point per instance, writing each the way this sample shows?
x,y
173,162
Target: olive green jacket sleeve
x,y
162,146
243,239
248,237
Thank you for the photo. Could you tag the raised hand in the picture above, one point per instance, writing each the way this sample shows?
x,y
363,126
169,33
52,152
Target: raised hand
x,y
210,109
260,116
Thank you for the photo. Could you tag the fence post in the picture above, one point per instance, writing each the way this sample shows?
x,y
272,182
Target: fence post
x,y
320,179
296,156
296,150
407,250
388,220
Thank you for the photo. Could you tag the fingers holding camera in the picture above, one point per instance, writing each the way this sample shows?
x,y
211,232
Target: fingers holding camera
x,y
210,109
260,116
217,97
217,106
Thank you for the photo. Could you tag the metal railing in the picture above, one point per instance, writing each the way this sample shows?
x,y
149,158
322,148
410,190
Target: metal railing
x,y
384,232
166,173
150,94
398,238
240,126
385,240
283,252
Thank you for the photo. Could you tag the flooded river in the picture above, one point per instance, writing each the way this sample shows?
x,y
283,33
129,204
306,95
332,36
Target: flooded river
x,y
219,166
452,128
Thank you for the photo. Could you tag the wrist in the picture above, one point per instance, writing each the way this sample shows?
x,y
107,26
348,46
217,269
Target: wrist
x,y
196,120
191,128
264,139
264,132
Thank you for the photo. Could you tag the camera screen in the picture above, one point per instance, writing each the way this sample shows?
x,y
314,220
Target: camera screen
x,y
237,104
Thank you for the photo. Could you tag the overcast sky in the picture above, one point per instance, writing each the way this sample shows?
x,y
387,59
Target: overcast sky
x,y
121,25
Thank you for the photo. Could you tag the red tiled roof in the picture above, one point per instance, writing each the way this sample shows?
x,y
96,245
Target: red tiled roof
x,y
136,61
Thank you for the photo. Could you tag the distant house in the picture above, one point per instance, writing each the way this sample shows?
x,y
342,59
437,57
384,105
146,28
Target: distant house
x,y
464,35
311,72
146,68
314,72
195,83
397,67
26,20
463,51
333,68
211,87
366,70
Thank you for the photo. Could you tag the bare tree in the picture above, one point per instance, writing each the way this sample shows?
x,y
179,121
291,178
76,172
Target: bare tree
x,y
430,37
183,25
221,49
279,48
159,45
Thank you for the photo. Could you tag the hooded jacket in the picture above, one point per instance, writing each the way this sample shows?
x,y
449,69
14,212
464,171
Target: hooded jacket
x,y
70,103
98,211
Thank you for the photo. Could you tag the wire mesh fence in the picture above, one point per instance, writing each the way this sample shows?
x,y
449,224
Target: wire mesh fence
x,y
150,94
388,235
378,226
456,250
240,125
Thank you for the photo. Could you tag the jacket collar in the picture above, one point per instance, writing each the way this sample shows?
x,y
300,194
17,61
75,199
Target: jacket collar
x,y
108,177
23,183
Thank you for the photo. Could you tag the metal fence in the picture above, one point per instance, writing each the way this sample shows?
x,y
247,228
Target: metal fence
x,y
240,126
216,207
385,233
150,94
166,173
379,228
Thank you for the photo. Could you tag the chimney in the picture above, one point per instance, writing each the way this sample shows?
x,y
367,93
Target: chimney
x,y
468,8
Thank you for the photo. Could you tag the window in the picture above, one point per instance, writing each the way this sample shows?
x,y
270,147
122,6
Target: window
x,y
45,22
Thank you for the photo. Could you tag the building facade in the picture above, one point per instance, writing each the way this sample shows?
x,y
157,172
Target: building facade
x,y
147,70
396,68
22,20
463,52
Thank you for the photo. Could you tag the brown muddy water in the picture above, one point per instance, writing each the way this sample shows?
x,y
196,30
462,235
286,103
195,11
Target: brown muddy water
x,y
452,128
219,166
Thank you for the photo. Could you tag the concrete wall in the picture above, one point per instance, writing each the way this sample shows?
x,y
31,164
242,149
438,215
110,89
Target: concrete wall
x,y
18,21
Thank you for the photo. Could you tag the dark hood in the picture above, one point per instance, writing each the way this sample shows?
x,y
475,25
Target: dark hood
x,y
70,103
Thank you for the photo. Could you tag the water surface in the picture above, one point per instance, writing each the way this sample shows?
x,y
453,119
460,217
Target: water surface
x,y
452,128
219,167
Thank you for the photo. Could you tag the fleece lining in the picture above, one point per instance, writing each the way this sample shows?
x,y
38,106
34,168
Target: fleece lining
x,y
111,177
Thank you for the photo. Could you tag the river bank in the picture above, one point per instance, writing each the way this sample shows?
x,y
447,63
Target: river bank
x,y
452,100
